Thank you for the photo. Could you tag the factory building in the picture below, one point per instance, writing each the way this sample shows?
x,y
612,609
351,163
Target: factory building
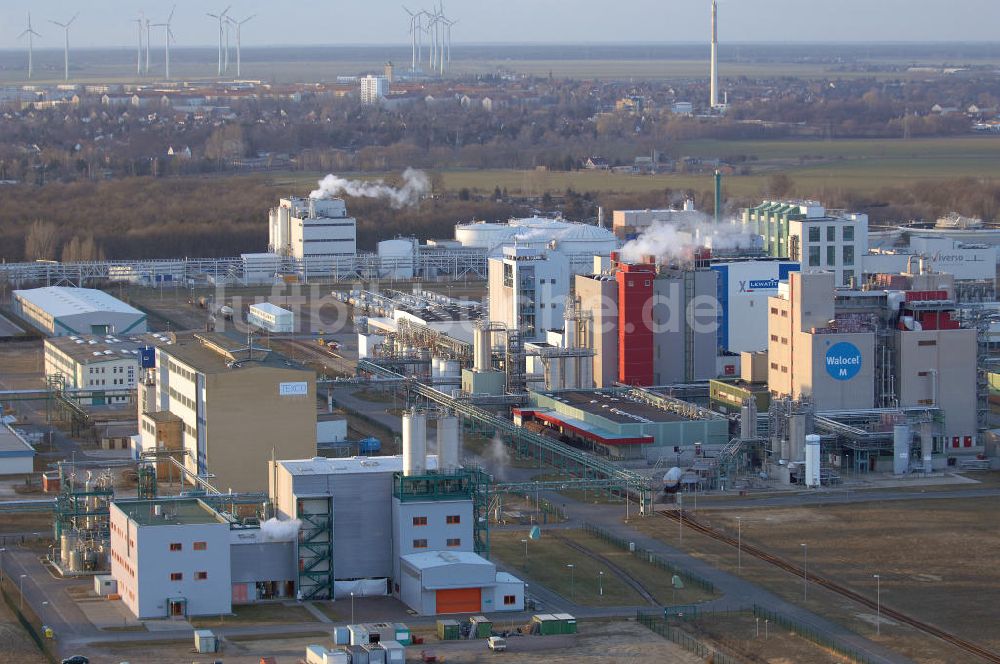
x,y
630,224
623,424
597,298
665,319
972,265
528,289
234,406
881,348
17,456
579,243
61,311
271,317
807,233
98,364
406,526
175,558
743,290
315,232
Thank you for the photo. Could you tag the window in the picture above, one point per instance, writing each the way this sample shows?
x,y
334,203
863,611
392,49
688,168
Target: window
x,y
927,342
831,255
813,256
784,340
784,369
420,521
848,233
200,546
452,519
419,544
176,576
774,310
814,233
774,338
774,365
849,255
509,600
200,576
848,277
175,546
454,541
784,313
831,233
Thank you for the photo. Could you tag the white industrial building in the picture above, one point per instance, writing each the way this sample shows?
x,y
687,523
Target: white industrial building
x,y
17,456
271,317
98,364
972,265
315,232
373,88
62,311
743,290
183,558
397,525
528,287
578,242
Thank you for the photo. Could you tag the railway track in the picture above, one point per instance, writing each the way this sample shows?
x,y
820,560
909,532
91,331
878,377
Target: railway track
x,y
627,578
748,549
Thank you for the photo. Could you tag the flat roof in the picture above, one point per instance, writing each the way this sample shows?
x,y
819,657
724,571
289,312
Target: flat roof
x,y
350,465
67,301
213,352
585,429
12,445
184,512
614,407
89,349
269,308
431,559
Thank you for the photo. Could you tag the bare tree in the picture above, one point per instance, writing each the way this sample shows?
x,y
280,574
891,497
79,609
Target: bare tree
x,y
40,241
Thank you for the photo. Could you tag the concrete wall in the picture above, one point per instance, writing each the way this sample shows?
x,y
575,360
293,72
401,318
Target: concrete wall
x,y
599,298
437,532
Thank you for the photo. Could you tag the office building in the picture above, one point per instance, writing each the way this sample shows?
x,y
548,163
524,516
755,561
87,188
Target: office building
x,y
373,88
98,364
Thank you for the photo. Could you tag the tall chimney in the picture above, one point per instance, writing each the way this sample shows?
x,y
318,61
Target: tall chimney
x,y
714,101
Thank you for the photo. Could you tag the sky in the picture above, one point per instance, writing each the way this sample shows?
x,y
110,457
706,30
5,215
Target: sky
x,y
331,22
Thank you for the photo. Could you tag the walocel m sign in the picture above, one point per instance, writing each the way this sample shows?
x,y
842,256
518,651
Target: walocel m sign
x,y
843,361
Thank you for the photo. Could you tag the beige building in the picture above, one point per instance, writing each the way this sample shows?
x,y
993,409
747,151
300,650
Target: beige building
x,y
106,366
236,407
597,295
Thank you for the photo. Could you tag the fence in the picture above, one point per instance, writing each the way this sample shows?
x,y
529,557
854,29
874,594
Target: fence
x,y
648,556
13,603
812,634
656,623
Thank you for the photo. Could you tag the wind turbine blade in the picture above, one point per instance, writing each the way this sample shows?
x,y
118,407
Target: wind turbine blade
x,y
248,18
171,17
70,22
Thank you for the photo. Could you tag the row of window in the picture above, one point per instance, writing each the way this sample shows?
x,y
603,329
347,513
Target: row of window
x,y
179,576
784,340
450,542
847,234
451,520
847,256
174,394
173,367
774,367
197,546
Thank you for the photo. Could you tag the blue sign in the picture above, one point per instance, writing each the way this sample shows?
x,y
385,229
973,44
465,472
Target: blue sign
x,y
147,357
843,361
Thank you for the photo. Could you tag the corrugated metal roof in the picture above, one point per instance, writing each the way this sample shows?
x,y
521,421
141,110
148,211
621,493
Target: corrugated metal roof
x,y
350,465
66,301
431,559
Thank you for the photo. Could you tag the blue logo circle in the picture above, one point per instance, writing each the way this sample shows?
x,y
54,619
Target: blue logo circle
x,y
843,361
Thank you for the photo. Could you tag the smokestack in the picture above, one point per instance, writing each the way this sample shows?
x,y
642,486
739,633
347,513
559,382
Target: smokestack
x,y
718,195
714,101
414,443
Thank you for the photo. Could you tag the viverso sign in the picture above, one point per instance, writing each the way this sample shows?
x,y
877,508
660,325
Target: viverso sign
x,y
843,360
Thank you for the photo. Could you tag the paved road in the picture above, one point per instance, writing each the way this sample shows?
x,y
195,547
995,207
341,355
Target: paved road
x,y
852,497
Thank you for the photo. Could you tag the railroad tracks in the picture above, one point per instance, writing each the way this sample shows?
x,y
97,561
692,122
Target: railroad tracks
x,y
627,578
748,549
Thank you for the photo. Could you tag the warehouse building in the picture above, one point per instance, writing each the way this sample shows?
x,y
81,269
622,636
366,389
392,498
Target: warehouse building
x,y
62,311
99,364
17,456
237,406
271,318
182,558
624,424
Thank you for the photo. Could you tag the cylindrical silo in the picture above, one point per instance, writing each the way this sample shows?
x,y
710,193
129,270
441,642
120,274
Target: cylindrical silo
x,y
414,443
481,349
926,446
900,449
796,436
447,443
748,419
812,460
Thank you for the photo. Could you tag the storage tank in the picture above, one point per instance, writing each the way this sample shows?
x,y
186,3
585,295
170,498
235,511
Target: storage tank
x,y
481,349
447,443
926,446
67,543
397,258
484,235
414,443
900,449
796,436
748,419
75,560
672,478
812,460
452,369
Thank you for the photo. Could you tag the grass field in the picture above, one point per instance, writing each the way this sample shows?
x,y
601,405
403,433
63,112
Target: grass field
x,y
934,559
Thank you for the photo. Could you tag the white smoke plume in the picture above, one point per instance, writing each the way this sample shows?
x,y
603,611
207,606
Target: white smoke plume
x,y
415,185
673,241
274,530
498,454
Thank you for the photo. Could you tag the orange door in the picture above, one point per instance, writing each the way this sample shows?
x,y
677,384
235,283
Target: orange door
x,y
459,600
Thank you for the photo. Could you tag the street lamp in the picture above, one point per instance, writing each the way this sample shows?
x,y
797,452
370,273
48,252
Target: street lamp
x,y
352,608
739,543
600,583
42,615
572,580
805,570
1,565
878,604
20,590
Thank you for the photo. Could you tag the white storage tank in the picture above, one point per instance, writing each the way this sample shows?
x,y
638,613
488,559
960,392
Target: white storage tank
x,y
900,449
447,443
397,258
812,460
414,444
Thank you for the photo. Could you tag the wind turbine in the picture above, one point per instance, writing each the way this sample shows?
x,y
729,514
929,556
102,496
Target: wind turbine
x,y
225,66
239,29
415,28
447,27
65,26
221,17
148,24
167,36
138,54
30,32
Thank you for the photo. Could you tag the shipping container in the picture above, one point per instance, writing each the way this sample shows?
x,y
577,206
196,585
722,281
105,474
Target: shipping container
x,y
395,653
448,630
481,627
567,623
403,634
545,624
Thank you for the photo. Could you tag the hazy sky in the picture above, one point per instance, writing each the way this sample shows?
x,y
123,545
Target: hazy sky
x,y
105,22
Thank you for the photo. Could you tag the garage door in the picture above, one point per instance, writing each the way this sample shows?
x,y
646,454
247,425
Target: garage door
x,y
459,600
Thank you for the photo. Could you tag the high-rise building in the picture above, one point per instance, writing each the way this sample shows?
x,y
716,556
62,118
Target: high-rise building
x,y
373,88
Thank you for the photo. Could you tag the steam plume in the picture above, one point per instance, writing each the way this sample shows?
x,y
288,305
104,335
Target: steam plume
x,y
274,530
415,184
671,240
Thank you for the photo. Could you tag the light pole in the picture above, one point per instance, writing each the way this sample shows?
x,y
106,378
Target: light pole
x,y
805,571
1,565
600,583
739,543
572,581
42,616
352,608
878,604
525,543
20,590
